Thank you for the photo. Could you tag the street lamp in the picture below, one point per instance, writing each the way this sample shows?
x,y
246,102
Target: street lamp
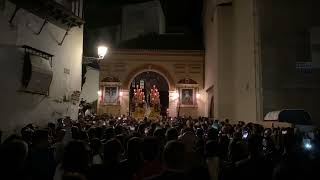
x,y
102,52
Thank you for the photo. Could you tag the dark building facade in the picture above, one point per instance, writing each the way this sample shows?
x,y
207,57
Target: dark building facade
x,y
289,31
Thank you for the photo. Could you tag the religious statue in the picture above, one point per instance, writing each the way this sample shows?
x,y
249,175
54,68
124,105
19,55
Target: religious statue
x,y
155,102
139,102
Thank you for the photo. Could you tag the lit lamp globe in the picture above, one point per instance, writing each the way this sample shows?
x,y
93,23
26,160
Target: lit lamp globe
x,y
99,93
102,51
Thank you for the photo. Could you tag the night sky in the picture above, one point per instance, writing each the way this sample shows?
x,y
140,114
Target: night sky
x,y
179,14
182,17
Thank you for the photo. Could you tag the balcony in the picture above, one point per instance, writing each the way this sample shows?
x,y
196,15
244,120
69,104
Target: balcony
x,y
304,67
65,14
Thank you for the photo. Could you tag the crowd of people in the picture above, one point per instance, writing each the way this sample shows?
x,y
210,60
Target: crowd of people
x,y
109,148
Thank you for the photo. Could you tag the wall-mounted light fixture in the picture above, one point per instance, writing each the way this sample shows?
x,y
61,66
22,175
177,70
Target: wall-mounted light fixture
x,y
99,93
102,52
175,95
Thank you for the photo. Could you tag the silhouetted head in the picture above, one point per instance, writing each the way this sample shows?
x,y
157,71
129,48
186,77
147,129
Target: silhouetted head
x,y
109,133
13,154
189,140
267,132
255,145
27,134
151,148
211,148
112,152
40,140
134,148
76,157
92,133
160,133
141,128
174,155
213,134
75,132
188,129
95,145
83,136
60,135
237,135
289,140
172,134
99,132
118,130
51,126
199,133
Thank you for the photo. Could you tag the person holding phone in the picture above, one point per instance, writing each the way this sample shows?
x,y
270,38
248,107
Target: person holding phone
x,y
245,134
267,142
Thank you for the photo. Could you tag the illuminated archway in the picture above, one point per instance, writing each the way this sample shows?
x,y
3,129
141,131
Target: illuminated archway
x,y
146,82
149,68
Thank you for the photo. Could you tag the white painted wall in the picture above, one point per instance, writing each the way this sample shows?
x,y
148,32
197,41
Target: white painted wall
x,y
219,62
18,108
230,60
225,104
91,86
211,51
244,61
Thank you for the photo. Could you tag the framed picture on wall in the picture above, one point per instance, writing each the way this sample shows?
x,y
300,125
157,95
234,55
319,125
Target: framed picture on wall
x,y
187,97
111,95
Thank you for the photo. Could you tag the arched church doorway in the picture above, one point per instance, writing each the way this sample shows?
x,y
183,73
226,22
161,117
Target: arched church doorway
x,y
149,95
